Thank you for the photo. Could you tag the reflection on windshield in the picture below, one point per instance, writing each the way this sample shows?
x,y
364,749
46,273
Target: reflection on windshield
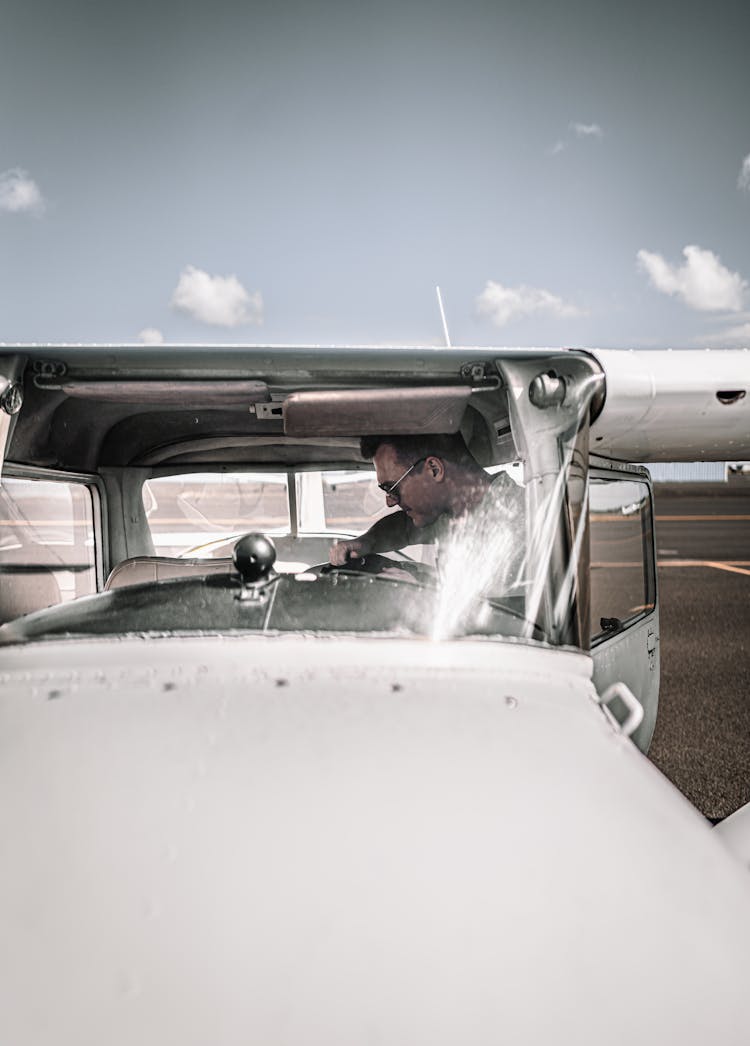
x,y
480,557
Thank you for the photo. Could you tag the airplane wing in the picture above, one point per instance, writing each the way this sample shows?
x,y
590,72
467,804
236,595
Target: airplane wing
x,y
674,405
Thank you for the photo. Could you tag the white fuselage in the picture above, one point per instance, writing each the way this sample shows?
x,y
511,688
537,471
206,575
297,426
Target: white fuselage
x,y
307,840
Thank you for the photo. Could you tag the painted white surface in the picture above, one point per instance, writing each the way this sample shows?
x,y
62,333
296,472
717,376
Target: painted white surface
x,y
735,832
662,406
303,841
624,657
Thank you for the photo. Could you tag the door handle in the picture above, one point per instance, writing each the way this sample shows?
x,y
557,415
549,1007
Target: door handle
x,y
631,702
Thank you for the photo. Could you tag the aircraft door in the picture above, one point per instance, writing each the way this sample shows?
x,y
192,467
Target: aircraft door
x,y
624,608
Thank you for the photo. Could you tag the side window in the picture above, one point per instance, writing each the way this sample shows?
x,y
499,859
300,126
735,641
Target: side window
x,y
351,501
47,546
623,586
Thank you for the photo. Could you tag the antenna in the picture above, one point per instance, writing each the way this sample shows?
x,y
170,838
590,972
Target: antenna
x,y
442,317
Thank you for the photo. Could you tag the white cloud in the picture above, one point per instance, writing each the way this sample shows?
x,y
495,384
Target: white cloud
x,y
587,130
743,181
503,304
580,130
218,300
702,282
19,192
151,336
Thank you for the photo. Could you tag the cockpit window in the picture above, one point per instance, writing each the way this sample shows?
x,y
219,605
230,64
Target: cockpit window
x,y
622,567
47,549
351,500
187,514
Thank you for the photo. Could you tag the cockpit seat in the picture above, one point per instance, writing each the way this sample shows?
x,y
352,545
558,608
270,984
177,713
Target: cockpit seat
x,y
22,592
141,569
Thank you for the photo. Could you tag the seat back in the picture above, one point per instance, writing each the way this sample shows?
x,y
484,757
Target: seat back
x,y
141,569
294,553
22,592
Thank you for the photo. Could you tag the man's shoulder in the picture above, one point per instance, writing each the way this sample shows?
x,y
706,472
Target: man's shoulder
x,y
501,480
426,535
503,496
503,486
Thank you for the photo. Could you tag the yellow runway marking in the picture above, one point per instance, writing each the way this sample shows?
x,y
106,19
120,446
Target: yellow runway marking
x,y
728,566
736,566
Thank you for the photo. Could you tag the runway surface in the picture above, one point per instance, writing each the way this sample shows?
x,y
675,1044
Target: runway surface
x,y
702,736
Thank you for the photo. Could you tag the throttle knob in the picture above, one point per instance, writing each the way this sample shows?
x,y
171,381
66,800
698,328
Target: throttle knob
x,y
254,555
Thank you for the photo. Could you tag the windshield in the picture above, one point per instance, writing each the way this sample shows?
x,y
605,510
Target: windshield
x,y
201,515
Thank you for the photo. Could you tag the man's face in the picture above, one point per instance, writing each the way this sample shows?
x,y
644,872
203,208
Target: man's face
x,y
418,494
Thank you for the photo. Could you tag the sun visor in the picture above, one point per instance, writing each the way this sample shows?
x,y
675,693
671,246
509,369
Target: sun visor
x,y
189,394
369,412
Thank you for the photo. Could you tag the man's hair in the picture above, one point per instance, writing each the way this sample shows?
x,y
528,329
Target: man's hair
x,y
448,446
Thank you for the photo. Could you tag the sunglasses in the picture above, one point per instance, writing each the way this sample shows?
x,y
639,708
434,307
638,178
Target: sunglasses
x,y
389,489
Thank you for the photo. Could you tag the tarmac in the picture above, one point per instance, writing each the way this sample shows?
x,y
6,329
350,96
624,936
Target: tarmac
x,y
702,736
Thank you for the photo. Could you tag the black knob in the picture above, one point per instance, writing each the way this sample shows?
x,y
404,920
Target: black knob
x,y
254,555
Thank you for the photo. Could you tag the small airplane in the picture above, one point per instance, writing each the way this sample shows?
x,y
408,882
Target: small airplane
x,y
245,801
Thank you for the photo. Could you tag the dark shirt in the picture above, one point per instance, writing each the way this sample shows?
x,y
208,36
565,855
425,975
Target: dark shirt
x,y
485,545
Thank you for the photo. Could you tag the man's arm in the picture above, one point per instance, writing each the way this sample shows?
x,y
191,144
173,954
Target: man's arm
x,y
385,535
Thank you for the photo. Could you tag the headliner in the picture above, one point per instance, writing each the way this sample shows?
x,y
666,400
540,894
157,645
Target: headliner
x,y
73,417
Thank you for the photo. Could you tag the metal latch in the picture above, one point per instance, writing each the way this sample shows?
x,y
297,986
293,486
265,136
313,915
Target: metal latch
x,y
651,640
269,411
49,373
480,375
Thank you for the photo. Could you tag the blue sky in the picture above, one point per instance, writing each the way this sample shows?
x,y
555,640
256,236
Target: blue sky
x,y
569,173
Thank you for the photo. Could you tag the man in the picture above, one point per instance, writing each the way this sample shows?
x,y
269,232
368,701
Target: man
x,y
441,494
